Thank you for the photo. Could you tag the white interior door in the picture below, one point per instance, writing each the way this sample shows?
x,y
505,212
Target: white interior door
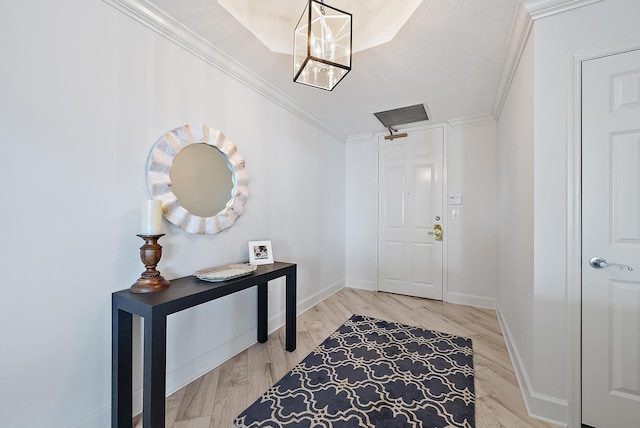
x,y
410,204
611,231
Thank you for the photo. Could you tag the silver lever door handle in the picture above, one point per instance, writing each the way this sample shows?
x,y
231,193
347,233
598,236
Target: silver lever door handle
x,y
600,263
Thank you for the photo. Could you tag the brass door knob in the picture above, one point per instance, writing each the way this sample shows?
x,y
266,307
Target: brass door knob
x,y
437,232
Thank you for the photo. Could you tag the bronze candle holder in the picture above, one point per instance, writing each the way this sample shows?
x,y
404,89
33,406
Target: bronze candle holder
x,y
150,254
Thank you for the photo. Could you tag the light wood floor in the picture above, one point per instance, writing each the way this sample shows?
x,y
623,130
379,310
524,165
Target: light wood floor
x,y
215,399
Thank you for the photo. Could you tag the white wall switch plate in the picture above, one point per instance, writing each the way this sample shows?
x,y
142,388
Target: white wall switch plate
x,y
455,200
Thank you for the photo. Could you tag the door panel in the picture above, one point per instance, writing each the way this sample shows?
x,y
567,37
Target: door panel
x,y
422,272
410,203
624,334
625,177
394,253
611,229
394,188
422,209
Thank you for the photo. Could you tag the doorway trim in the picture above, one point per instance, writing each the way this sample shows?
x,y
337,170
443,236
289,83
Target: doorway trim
x,y
574,216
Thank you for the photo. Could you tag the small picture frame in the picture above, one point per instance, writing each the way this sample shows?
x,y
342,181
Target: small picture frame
x,y
260,253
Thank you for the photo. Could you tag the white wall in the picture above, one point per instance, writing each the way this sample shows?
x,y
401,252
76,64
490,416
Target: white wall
x,y
361,192
596,25
471,241
86,91
515,213
532,295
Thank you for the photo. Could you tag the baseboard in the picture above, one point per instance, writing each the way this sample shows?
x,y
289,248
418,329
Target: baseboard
x,y
470,300
182,376
178,378
199,366
361,284
101,418
277,320
539,406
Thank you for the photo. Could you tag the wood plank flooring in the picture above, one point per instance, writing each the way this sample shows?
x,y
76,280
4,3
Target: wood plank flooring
x,y
215,399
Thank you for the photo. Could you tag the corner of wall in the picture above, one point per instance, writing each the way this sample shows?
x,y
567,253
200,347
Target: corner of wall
x,y
539,406
361,284
470,300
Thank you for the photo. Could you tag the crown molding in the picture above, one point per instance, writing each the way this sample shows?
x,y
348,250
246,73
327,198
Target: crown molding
x,y
466,122
360,138
520,30
163,24
543,8
527,12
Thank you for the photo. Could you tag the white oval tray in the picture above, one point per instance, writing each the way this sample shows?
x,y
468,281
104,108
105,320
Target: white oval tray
x,y
225,272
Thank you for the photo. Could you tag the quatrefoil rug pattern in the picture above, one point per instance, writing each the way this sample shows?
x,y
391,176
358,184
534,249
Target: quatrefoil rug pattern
x,y
374,373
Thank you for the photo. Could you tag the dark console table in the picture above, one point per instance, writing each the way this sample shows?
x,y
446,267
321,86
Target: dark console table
x,y
184,293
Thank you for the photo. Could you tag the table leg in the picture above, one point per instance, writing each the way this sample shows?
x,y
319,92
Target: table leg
x,y
290,318
121,368
155,366
263,316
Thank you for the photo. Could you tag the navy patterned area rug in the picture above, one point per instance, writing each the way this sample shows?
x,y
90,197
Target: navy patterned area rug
x,y
373,373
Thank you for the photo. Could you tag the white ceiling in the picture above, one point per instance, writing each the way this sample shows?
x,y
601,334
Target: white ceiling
x,y
272,21
449,56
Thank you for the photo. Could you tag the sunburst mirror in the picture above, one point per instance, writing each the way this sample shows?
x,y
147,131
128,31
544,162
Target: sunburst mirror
x,y
200,178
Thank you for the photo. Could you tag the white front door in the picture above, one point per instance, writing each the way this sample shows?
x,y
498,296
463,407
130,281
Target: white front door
x,y
611,231
410,204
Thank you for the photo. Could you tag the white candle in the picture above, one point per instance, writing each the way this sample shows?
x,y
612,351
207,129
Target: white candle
x,y
151,222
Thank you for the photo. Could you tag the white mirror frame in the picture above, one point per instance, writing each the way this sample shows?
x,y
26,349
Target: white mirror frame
x,y
159,181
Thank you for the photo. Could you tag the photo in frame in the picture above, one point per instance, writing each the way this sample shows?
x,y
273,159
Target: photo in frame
x,y
260,252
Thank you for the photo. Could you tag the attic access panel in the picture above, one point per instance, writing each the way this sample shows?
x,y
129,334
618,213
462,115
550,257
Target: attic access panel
x,y
403,115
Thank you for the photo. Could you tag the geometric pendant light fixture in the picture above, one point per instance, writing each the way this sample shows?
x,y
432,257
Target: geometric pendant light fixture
x,y
322,46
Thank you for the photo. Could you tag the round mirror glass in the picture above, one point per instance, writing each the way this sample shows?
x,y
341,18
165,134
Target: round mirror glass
x,y
201,179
